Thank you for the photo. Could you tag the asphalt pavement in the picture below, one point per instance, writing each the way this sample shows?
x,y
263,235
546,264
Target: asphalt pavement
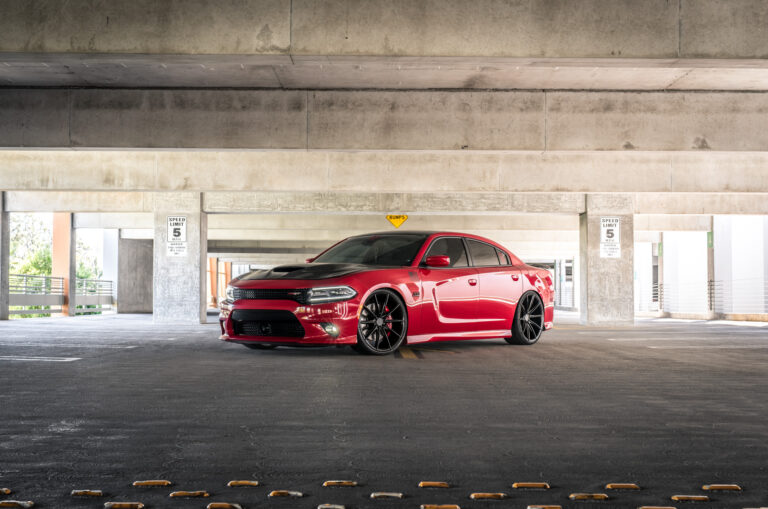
x,y
100,402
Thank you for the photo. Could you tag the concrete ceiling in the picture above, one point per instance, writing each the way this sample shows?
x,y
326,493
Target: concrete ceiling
x,y
362,72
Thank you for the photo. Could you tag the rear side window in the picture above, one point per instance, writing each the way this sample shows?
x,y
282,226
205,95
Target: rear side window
x,y
503,258
453,248
482,254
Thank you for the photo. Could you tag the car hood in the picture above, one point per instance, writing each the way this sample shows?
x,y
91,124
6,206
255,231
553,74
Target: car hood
x,y
307,271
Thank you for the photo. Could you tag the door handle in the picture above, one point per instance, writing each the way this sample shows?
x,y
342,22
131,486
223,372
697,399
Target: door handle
x,y
515,277
472,282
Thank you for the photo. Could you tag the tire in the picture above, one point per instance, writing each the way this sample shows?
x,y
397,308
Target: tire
x,y
383,324
529,320
258,346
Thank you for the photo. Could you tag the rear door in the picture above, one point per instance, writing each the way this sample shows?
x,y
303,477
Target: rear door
x,y
450,293
499,284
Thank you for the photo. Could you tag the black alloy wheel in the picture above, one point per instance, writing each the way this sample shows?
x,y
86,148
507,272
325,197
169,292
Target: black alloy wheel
x,y
259,346
529,320
383,324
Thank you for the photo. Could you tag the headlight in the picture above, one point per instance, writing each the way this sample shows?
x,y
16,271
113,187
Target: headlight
x,y
329,294
230,293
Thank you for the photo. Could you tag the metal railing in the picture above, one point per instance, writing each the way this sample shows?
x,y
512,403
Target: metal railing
x,y
35,295
44,295
714,297
24,284
93,296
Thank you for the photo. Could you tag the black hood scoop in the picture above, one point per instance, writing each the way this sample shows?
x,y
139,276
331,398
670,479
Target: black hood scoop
x,y
306,271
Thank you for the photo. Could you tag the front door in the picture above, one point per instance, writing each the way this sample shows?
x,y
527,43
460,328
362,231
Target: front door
x,y
449,305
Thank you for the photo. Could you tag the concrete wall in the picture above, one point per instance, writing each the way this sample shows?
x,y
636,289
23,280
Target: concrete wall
x,y
385,120
539,28
134,284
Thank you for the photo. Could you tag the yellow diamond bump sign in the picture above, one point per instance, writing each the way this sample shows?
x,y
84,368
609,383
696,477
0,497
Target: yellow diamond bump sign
x,y
396,220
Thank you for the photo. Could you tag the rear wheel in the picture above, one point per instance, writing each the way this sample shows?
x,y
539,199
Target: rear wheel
x,y
383,323
529,320
258,346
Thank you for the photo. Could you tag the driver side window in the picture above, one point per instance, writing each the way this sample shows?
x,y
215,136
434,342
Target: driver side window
x,y
453,248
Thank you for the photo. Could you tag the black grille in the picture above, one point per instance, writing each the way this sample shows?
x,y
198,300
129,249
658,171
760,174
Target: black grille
x,y
266,322
296,294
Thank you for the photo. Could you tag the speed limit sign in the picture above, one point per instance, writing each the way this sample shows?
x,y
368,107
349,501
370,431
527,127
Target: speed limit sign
x,y
610,237
177,228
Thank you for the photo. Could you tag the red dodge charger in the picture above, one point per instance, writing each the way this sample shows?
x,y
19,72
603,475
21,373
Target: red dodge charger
x,y
378,291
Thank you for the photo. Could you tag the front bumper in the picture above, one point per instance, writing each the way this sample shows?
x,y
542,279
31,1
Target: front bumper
x,y
313,319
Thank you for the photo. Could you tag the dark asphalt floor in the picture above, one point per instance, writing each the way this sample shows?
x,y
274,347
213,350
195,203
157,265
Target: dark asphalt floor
x,y
96,403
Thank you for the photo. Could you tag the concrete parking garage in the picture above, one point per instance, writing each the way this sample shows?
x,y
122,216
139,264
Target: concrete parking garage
x,y
275,128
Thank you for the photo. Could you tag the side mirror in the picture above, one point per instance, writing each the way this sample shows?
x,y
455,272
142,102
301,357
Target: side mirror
x,y
310,260
438,261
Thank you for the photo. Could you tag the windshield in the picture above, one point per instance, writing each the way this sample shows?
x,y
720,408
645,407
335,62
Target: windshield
x,y
388,250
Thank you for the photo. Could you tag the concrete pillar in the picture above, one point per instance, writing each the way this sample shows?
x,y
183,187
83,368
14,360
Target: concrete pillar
x,y
5,250
134,274
64,258
606,289
179,289
109,258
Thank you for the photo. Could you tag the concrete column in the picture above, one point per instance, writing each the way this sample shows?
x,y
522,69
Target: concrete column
x,y
606,289
64,258
179,289
134,275
5,250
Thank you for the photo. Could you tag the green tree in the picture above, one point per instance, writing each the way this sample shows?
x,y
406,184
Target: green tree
x,y
39,264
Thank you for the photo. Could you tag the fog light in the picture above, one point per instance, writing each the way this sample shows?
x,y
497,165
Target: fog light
x,y
330,329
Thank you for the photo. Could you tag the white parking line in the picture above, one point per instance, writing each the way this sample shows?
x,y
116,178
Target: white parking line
x,y
41,359
67,345
625,340
712,347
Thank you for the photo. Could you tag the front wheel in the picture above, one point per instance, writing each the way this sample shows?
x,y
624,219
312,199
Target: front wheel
x,y
383,323
529,320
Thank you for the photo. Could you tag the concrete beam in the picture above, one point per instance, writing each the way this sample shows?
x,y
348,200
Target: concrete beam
x,y
146,26
378,72
540,28
352,206
385,171
113,220
668,223
384,120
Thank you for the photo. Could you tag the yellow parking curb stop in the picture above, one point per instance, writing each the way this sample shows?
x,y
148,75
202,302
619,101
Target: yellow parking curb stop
x,y
16,503
656,507
189,494
488,496
340,484
721,487
622,486
285,493
386,494
223,505
531,485
434,484
87,493
588,496
544,507
439,506
238,484
152,483
123,505
690,498
330,506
